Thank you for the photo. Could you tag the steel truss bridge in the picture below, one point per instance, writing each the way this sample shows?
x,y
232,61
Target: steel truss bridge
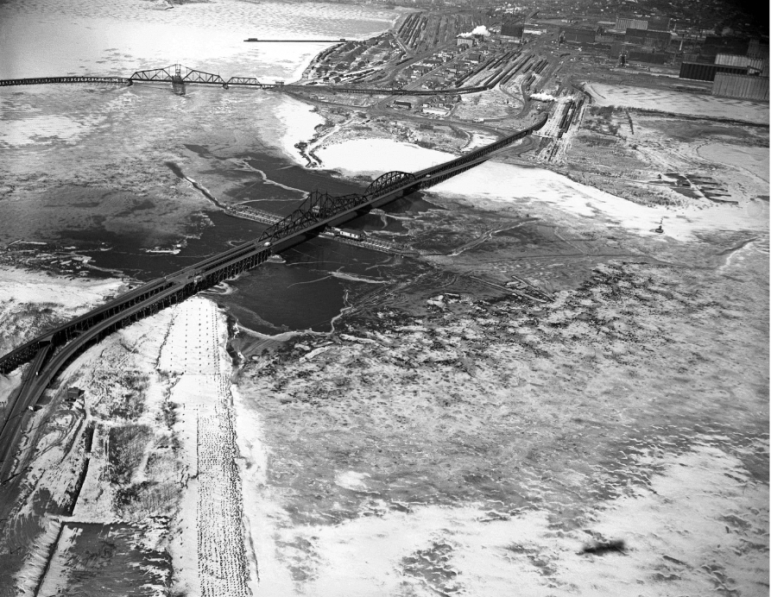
x,y
181,75
50,353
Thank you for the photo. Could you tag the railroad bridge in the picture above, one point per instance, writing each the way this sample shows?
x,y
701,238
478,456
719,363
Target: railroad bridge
x,y
179,75
52,351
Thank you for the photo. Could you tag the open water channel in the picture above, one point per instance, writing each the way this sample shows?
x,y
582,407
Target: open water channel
x,y
310,289
306,292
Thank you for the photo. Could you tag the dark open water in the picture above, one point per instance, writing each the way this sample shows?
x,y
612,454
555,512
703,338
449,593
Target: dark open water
x,y
305,293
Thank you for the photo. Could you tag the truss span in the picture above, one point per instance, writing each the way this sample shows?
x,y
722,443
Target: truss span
x,y
177,73
244,81
317,208
388,181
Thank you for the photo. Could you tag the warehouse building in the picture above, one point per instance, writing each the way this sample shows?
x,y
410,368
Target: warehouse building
x,y
647,57
513,29
579,35
647,38
754,66
661,24
745,87
624,23
706,72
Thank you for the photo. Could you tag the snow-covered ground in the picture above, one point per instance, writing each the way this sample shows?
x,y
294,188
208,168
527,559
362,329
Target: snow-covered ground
x,y
675,527
526,186
677,103
180,353
378,156
754,161
210,553
299,121
21,286
479,140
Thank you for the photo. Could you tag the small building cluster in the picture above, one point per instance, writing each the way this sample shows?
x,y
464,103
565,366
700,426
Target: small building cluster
x,y
738,68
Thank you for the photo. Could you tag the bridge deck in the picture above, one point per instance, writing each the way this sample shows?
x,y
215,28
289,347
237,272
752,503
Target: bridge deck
x,y
180,75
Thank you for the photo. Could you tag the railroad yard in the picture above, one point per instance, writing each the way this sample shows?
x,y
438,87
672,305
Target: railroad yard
x,y
587,137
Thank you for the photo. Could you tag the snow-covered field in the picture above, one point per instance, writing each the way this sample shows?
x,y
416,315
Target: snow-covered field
x,y
28,287
754,161
299,121
378,156
688,104
180,354
213,560
672,528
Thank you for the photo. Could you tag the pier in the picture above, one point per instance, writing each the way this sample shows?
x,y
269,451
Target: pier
x,y
296,41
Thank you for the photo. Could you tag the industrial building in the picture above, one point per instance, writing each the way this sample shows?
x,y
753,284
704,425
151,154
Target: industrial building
x,y
623,23
706,72
513,29
746,87
648,38
754,66
580,35
638,55
653,24
661,24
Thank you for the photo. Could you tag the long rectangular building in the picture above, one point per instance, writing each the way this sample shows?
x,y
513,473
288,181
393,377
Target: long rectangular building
x,y
746,87
706,72
753,65
648,38
624,23
579,34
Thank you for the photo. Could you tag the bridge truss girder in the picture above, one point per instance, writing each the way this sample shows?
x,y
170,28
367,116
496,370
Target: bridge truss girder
x,y
250,81
155,74
390,180
178,73
316,208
